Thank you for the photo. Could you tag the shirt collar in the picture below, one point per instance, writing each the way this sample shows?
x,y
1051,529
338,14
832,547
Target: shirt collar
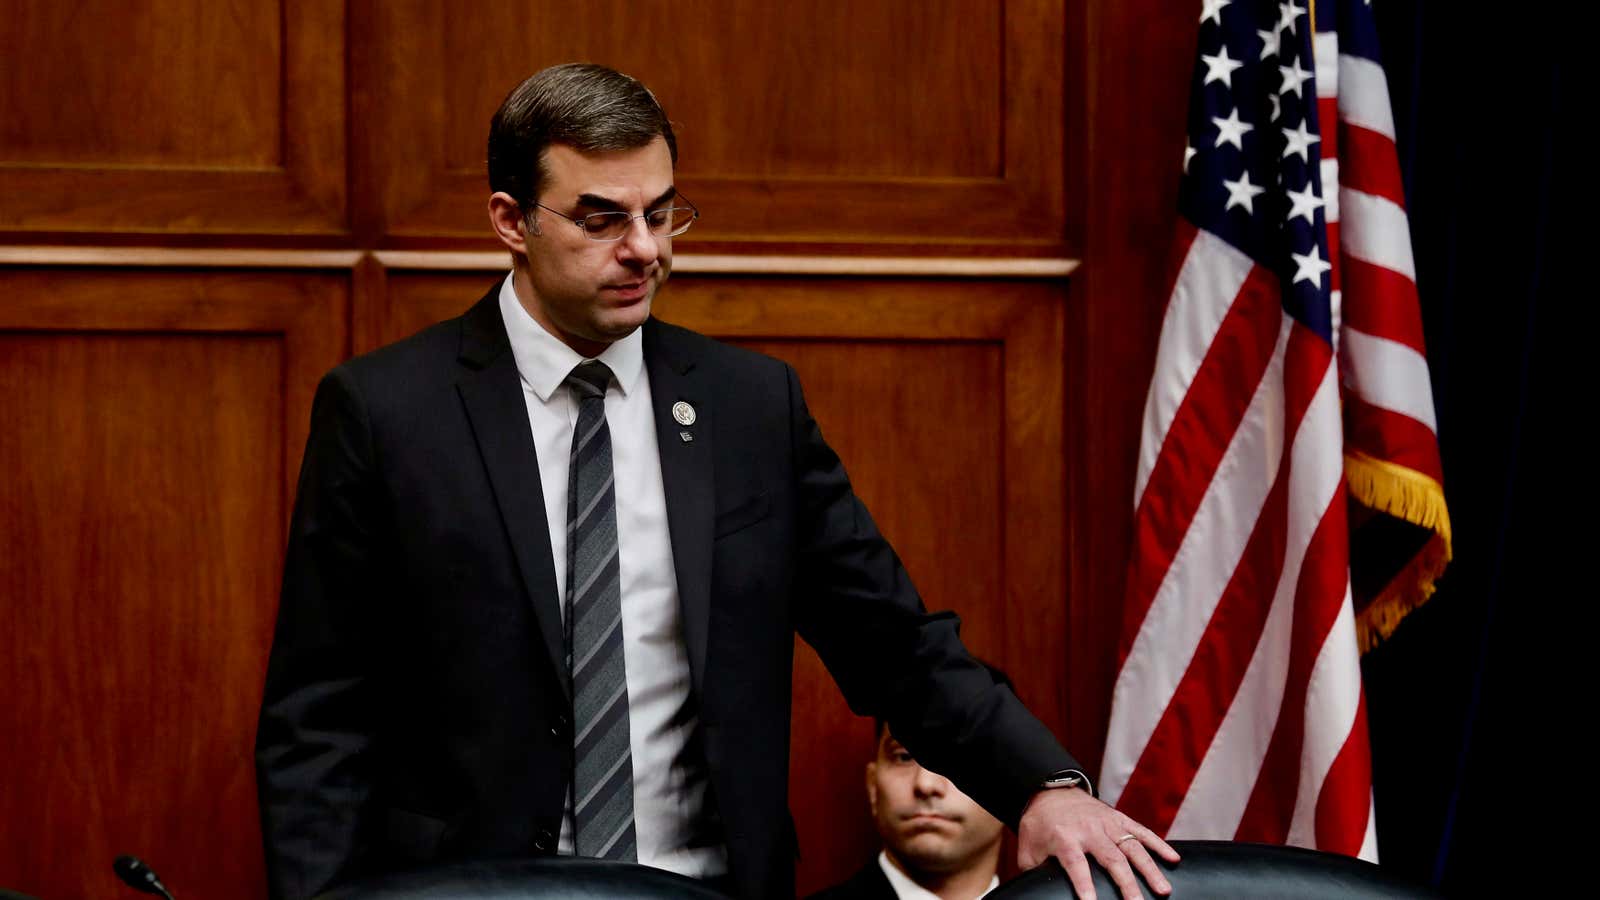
x,y
544,362
906,889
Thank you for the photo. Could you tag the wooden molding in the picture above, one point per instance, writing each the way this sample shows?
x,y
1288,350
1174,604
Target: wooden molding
x,y
730,264
492,261
179,256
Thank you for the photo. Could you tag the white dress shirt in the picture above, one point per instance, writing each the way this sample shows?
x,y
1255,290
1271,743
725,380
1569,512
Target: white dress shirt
x,y
906,889
669,775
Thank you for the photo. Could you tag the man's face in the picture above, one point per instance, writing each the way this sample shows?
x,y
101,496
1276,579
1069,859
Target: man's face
x,y
925,822
591,293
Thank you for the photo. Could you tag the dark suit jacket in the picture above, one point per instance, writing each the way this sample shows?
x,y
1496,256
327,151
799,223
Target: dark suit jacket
x,y
869,883
415,706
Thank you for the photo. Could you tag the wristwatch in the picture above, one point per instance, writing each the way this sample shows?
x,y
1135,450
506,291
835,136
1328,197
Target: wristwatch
x,y
1067,778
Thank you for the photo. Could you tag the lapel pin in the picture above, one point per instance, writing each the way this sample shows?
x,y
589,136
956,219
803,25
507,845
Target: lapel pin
x,y
684,413
687,437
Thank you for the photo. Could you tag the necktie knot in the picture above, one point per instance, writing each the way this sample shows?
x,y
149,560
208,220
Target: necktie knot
x,y
588,380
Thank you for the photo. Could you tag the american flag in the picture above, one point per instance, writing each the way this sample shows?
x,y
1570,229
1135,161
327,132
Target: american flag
x,y
1290,381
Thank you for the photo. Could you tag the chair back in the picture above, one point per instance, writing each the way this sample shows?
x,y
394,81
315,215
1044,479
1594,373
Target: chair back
x,y
564,878
1228,870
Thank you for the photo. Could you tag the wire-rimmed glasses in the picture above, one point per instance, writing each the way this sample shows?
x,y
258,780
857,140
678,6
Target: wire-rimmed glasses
x,y
668,221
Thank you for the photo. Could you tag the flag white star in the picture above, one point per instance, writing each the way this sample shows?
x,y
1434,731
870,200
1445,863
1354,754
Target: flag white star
x,y
1277,108
1220,67
1270,42
1304,203
1231,130
1188,154
1241,193
1293,77
1213,10
1298,142
1287,13
1309,266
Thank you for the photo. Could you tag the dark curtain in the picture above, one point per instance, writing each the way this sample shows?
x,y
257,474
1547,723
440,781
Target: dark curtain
x,y
1475,700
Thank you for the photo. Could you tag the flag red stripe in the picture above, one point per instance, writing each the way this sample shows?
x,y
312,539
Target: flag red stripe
x,y
1391,436
1196,440
1327,114
1346,795
1382,303
1319,595
1367,163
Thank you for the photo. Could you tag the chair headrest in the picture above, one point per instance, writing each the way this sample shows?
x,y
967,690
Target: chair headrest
x,y
554,878
1235,871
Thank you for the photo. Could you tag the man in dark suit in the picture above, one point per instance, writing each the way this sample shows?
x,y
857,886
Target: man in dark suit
x,y
547,561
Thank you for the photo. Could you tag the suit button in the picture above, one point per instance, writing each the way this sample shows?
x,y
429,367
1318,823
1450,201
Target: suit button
x,y
544,841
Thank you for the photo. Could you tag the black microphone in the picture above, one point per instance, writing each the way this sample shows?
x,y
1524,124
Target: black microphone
x,y
135,874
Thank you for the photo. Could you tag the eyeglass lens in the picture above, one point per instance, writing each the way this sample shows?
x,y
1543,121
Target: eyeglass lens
x,y
661,222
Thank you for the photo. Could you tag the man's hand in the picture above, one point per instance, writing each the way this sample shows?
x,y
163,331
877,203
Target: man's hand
x,y
1071,825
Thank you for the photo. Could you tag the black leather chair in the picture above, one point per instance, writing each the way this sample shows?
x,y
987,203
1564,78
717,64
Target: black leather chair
x,y
1214,870
555,879
1211,870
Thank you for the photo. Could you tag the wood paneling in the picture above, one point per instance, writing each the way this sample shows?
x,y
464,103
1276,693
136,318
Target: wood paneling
x,y
827,63
172,117
182,89
154,420
916,126
921,452
1135,60
944,400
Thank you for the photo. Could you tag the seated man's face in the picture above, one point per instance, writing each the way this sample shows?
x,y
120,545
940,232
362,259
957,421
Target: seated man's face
x,y
925,822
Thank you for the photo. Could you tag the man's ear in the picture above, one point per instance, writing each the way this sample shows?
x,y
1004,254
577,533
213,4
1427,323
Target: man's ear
x,y
872,787
505,217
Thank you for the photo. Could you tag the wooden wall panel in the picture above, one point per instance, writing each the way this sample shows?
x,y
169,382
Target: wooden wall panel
x,y
921,127
829,64
177,117
944,399
153,422
1135,60
922,452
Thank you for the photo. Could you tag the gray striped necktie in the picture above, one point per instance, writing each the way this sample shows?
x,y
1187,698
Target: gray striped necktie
x,y
603,771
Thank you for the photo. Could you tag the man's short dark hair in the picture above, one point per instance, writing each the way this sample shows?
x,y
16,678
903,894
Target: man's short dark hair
x,y
587,107
995,672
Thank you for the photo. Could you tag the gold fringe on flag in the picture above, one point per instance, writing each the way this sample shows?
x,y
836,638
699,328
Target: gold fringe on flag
x,y
1414,497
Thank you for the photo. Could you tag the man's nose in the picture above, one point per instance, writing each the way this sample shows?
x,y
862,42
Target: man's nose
x,y
929,784
638,245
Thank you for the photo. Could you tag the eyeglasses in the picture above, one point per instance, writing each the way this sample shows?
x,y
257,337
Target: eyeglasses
x,y
668,221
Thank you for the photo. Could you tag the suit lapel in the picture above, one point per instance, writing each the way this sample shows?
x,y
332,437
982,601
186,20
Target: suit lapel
x,y
686,473
491,391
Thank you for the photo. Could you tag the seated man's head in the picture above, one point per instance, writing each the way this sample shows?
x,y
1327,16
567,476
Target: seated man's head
x,y
931,830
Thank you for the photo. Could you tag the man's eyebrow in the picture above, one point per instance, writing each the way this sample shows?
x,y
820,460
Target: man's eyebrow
x,y
595,201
